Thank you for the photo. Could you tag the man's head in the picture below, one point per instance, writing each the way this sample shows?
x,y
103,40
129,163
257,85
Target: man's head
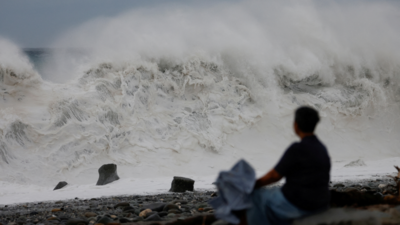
x,y
305,121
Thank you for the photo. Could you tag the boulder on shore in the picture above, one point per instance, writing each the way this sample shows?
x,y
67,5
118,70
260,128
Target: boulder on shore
x,y
182,184
60,185
107,174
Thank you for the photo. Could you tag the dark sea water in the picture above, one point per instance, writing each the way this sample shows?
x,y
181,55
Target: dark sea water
x,y
57,65
38,57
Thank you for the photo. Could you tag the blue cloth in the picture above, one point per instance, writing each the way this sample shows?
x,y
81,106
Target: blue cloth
x,y
234,189
271,207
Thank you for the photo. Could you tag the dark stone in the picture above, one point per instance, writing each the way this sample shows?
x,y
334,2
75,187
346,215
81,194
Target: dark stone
x,y
105,220
90,214
201,205
60,185
201,219
169,207
150,213
21,220
133,211
33,213
154,217
137,211
75,221
220,222
374,189
107,174
162,214
336,216
121,204
182,184
340,199
137,219
158,206
127,208
349,189
124,220
339,185
186,208
175,211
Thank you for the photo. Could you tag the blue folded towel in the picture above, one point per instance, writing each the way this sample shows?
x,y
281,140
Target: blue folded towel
x,y
234,189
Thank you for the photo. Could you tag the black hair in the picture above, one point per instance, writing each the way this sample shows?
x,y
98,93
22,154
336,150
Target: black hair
x,y
306,119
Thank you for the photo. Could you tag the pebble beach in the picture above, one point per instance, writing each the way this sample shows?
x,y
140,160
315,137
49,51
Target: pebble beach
x,y
171,208
119,209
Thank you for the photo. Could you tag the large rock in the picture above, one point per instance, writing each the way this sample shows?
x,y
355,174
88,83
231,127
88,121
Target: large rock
x,y
107,174
60,185
182,184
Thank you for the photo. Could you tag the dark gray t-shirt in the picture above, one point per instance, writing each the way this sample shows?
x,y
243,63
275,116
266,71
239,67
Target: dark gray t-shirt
x,y
306,166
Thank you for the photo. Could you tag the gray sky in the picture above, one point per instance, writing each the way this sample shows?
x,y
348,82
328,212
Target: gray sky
x,y
36,23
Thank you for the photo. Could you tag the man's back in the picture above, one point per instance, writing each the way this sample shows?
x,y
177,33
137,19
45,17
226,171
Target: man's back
x,y
306,166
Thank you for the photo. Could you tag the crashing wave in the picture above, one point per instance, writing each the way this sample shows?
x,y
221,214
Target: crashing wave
x,y
165,90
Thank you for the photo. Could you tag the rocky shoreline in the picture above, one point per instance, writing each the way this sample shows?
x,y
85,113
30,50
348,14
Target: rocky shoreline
x,y
182,208
381,186
111,210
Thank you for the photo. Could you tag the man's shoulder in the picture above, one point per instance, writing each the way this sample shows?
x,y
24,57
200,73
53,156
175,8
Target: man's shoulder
x,y
313,140
319,143
293,147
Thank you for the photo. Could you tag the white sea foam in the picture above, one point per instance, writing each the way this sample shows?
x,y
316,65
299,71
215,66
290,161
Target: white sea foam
x,y
188,91
358,162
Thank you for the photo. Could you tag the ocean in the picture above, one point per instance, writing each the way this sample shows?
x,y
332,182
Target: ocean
x,y
162,96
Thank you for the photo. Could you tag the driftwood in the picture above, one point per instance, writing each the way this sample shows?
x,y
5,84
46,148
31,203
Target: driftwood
x,y
393,199
396,178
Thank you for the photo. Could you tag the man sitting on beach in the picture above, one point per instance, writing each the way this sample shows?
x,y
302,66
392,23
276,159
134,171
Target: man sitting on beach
x,y
306,166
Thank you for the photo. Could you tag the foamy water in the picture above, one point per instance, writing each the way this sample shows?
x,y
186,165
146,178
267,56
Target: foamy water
x,y
188,92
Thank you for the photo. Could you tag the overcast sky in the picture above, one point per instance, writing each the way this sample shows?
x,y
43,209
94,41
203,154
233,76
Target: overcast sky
x,y
37,23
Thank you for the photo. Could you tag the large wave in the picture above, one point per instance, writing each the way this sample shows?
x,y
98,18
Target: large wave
x,y
165,82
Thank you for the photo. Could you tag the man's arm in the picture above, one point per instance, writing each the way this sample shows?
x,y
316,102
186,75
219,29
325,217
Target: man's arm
x,y
271,177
